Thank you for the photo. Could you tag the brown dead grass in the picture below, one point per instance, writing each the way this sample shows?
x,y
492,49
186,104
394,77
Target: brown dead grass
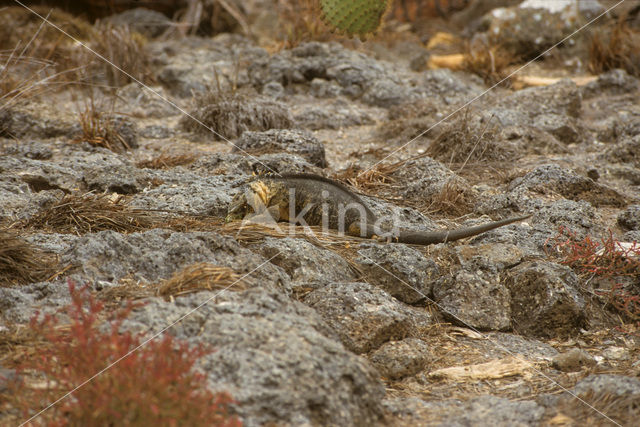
x,y
462,141
89,213
201,277
22,263
67,61
373,181
615,47
166,161
229,113
100,129
123,49
452,199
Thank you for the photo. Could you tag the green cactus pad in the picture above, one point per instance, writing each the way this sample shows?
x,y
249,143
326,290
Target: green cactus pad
x,y
359,17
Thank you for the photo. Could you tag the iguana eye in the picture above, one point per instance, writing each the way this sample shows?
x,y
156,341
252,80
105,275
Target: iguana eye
x,y
238,203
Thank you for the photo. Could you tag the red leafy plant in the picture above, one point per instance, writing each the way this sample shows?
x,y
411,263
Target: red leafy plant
x,y
153,385
608,259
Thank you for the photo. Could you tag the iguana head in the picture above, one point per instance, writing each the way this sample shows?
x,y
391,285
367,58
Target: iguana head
x,y
254,199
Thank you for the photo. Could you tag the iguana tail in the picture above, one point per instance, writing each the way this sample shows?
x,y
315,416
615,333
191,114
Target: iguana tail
x,y
443,236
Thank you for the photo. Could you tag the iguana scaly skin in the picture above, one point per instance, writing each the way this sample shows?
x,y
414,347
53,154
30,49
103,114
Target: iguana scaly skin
x,y
321,201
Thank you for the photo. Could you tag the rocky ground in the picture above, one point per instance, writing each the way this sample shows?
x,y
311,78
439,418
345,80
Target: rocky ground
x,y
499,329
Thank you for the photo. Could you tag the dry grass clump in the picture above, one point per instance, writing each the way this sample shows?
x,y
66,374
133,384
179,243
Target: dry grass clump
x,y
89,213
202,276
452,199
102,129
370,181
615,47
19,25
166,161
35,57
37,42
230,113
122,48
464,140
22,263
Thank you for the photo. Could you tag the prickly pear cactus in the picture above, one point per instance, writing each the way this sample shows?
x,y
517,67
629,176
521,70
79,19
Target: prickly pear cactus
x,y
359,17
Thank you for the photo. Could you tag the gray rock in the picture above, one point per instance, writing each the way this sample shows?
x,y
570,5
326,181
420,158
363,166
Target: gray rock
x,y
19,304
18,123
40,174
321,88
503,344
579,217
226,115
52,242
449,86
144,21
305,262
398,359
363,316
302,143
331,115
156,132
184,66
398,269
124,179
496,411
545,299
562,127
186,193
235,168
474,299
423,178
631,236
630,218
275,356
613,82
156,254
552,179
626,150
561,101
527,31
573,360
616,385
492,258
145,102
34,150
385,93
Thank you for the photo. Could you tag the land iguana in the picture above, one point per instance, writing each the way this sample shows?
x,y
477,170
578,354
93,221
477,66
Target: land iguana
x,y
321,201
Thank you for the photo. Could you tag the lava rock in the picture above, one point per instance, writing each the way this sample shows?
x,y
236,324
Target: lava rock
x,y
630,218
276,357
400,270
363,316
545,299
398,359
297,142
157,254
573,360
474,299
305,262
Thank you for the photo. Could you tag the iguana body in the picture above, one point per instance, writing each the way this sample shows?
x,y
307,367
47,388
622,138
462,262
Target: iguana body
x,y
315,200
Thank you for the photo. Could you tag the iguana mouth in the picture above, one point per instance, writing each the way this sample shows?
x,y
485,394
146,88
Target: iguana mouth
x,y
254,200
